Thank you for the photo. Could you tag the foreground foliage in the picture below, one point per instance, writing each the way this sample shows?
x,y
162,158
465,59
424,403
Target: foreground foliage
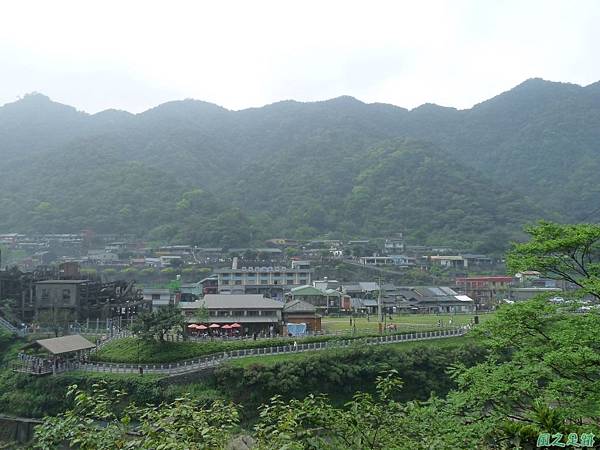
x,y
94,424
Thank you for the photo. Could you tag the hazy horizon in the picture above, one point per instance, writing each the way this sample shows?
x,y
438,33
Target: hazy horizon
x,y
21,97
133,56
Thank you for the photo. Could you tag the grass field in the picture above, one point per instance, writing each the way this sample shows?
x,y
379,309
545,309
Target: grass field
x,y
404,322
275,359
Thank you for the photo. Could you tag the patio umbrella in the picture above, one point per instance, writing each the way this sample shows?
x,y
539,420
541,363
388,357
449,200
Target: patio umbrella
x,y
201,327
214,325
236,325
226,327
192,326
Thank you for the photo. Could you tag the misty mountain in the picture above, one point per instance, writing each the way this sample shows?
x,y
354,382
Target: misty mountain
x,y
193,170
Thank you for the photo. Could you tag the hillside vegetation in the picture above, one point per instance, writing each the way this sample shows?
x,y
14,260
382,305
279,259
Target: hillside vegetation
x,y
193,171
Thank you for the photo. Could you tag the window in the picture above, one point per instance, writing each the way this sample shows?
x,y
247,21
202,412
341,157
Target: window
x,y
252,313
225,281
66,294
238,281
45,295
155,296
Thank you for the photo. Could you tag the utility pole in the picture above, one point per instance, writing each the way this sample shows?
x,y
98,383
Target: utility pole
x,y
380,308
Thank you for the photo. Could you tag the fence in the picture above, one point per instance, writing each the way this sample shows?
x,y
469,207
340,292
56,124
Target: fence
x,y
214,360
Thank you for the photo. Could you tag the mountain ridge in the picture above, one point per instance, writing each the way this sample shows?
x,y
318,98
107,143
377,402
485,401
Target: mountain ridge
x,y
301,168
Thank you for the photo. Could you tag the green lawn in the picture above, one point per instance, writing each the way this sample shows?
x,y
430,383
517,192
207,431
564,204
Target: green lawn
x,y
132,350
275,359
404,322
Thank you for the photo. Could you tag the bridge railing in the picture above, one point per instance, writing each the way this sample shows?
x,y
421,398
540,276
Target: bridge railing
x,y
210,361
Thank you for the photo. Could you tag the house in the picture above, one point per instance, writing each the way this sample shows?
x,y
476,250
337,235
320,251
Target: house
x,y
159,297
298,311
403,260
486,291
432,299
325,301
376,260
300,264
325,283
394,244
460,261
102,257
210,285
253,311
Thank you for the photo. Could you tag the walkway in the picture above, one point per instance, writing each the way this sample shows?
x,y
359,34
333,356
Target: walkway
x,y
212,361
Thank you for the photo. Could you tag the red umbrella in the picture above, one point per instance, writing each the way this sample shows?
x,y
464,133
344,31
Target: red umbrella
x,y
214,325
226,327
201,327
236,325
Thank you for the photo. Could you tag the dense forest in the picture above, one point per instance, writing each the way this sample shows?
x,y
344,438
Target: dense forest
x,y
193,171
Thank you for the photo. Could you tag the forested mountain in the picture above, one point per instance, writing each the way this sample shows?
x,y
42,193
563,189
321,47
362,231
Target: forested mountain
x,y
195,171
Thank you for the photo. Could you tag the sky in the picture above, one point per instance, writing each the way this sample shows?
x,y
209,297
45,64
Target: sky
x,y
134,55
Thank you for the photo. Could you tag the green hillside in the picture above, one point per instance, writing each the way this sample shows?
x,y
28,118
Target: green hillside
x,y
195,171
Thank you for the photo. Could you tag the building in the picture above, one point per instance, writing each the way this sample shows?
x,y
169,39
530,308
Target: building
x,y
460,261
271,281
394,244
485,291
325,301
298,311
392,260
159,297
525,293
254,312
376,260
61,301
210,285
326,283
432,299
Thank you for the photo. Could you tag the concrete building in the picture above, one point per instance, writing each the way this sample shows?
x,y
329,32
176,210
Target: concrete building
x,y
272,281
486,291
159,297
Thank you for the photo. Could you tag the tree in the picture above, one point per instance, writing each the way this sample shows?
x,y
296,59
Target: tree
x,y
366,422
541,375
566,252
157,324
94,422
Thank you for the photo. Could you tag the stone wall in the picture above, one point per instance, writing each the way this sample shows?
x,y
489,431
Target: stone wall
x,y
15,429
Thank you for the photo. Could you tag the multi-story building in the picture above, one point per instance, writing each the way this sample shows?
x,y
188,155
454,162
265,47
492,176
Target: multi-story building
x,y
485,291
272,281
159,297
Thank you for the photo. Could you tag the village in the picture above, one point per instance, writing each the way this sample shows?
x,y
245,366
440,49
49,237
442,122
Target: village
x,y
65,283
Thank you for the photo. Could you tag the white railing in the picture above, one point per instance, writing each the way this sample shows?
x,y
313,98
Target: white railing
x,y
211,361
10,327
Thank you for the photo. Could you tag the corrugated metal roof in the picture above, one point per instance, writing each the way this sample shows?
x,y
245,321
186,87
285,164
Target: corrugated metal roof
x,y
65,344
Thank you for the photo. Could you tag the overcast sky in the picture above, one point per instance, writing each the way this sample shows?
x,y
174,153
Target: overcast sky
x,y
134,55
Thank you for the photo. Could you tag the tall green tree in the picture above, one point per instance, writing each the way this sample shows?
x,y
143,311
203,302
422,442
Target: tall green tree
x,y
157,324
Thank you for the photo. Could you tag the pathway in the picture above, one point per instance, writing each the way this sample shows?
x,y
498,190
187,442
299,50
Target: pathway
x,y
212,361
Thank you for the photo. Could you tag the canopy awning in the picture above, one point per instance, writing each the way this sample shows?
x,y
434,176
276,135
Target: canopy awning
x,y
65,344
